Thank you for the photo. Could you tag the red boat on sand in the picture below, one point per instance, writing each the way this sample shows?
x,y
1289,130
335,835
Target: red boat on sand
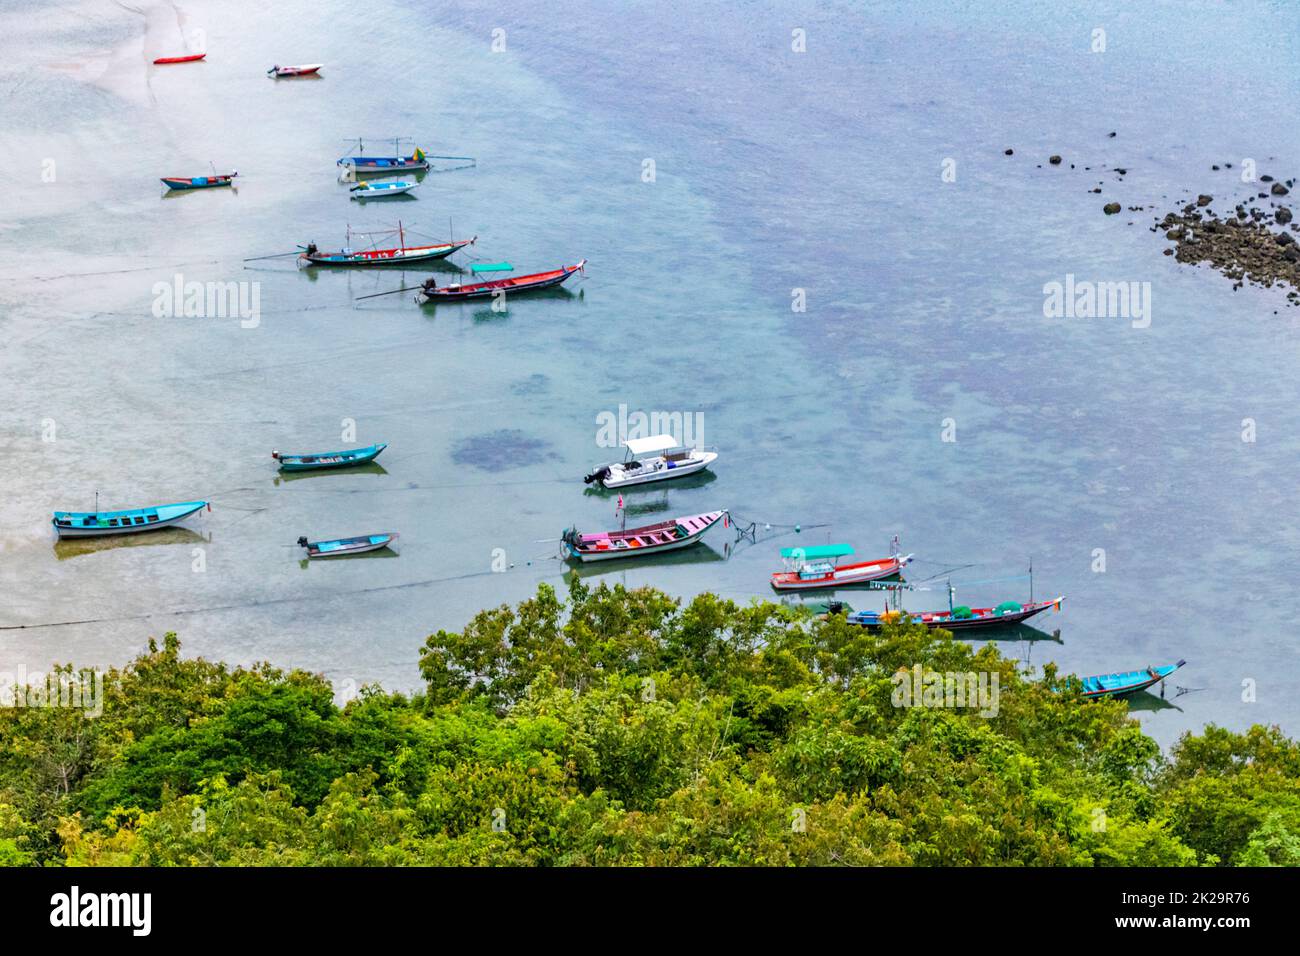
x,y
190,58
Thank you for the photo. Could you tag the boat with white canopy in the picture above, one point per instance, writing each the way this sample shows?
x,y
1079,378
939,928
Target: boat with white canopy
x,y
656,458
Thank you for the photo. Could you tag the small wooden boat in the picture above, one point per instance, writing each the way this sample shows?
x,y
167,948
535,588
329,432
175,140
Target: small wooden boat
x,y
328,459
634,542
475,290
656,458
817,566
85,524
1126,682
306,70
188,58
369,165
381,190
401,255
960,618
199,182
344,546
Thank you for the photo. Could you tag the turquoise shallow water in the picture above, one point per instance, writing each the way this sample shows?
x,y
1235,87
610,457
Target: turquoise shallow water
x,y
774,171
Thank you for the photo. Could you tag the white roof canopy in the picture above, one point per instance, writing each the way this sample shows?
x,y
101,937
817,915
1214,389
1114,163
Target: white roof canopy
x,y
646,446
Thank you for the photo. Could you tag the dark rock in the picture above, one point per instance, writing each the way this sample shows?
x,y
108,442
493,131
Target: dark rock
x,y
1279,190
1204,200
1283,239
1008,152
1283,216
1266,178
1121,171
1215,168
1111,208
1112,135
1095,189
1054,160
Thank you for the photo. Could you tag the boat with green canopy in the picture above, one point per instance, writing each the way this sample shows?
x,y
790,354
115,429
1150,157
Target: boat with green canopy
x,y
817,566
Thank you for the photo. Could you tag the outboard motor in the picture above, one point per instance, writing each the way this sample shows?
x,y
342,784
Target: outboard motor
x,y
302,541
600,474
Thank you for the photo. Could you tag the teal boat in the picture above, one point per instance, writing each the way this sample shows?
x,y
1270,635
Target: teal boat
x,y
1126,682
328,459
85,524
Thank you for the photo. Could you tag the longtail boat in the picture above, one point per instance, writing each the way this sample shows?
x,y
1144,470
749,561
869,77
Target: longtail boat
x,y
308,69
382,190
817,566
345,546
1126,682
401,255
656,458
84,524
188,58
634,542
366,165
476,290
199,182
960,618
328,459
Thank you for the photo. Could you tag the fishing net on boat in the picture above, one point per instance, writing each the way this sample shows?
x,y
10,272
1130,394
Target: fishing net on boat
x,y
962,613
1007,607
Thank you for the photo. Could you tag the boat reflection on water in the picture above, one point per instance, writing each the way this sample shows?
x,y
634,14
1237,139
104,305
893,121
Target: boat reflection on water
x,y
370,468
701,553
65,548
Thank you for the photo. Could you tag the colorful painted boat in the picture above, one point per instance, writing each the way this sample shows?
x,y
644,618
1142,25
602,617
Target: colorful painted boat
x,y
328,459
474,290
817,566
382,190
1126,682
188,58
369,165
344,546
656,458
635,542
198,182
401,255
309,69
961,618
85,524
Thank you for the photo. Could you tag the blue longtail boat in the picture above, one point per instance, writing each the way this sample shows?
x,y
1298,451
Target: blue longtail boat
x,y
1126,682
328,459
363,165
344,546
199,182
84,524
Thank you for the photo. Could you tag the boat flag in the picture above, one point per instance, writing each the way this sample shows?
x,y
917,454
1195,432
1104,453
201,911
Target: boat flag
x,y
620,502
419,155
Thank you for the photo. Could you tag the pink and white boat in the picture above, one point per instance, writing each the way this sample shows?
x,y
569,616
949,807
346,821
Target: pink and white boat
x,y
307,69
634,542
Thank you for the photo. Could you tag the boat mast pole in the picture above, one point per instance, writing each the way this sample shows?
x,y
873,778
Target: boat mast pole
x,y
1031,579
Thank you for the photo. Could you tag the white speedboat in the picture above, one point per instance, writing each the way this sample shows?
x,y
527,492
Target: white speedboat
x,y
656,458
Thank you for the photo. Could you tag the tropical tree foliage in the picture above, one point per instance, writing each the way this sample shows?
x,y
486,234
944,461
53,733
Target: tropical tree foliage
x,y
621,727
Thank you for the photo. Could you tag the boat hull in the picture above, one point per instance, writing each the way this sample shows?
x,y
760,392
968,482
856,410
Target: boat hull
x,y
197,182
342,547
1125,683
983,617
483,290
662,474
191,58
386,257
329,459
285,71
115,522
379,167
638,542
385,192
843,577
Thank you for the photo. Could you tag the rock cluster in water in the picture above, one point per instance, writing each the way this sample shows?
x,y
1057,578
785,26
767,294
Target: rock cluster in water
x,y
1250,244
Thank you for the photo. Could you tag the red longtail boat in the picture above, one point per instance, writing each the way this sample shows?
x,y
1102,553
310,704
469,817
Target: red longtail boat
x,y
180,59
476,290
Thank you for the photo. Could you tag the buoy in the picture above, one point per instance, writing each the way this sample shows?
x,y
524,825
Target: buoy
x,y
797,529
